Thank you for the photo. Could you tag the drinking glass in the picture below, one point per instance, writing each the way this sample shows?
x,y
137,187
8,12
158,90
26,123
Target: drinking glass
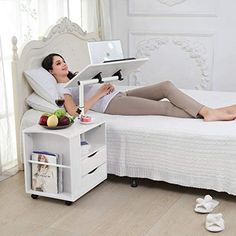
x,y
60,101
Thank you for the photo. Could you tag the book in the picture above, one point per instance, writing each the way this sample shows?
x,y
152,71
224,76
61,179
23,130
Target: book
x,y
45,177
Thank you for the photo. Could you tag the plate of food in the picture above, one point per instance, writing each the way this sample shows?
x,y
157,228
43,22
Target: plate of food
x,y
57,127
56,120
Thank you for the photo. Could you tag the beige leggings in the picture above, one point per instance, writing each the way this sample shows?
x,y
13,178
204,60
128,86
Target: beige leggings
x,y
146,101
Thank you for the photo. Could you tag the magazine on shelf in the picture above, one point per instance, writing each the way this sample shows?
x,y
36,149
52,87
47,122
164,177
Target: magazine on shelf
x,y
45,177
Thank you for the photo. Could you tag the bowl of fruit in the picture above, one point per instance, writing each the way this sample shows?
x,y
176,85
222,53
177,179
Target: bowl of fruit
x,y
59,119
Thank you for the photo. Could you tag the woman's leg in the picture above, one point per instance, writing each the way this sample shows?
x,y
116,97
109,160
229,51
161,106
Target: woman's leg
x,y
145,101
167,90
129,105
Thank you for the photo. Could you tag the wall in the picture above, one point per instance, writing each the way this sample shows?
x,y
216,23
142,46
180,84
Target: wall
x,y
190,42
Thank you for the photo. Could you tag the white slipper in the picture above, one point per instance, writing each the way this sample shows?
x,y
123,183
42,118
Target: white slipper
x,y
205,205
215,222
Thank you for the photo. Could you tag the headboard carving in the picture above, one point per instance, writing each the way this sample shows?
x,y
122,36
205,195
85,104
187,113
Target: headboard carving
x,y
64,26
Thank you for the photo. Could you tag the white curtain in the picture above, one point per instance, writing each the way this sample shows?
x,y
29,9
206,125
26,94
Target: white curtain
x,y
95,17
105,19
8,161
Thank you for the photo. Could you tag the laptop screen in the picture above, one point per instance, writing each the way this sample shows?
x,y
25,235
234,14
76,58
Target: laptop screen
x,y
101,51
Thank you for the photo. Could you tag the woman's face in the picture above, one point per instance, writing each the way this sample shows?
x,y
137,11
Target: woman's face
x,y
42,158
59,68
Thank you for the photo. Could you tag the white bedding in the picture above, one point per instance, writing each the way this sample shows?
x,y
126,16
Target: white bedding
x,y
188,152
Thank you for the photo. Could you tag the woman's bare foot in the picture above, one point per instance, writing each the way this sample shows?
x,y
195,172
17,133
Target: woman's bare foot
x,y
229,109
210,114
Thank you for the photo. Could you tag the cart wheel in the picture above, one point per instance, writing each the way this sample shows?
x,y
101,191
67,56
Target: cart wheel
x,y
68,203
34,196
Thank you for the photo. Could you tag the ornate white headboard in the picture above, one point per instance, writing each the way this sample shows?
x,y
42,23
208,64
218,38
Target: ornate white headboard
x,y
65,38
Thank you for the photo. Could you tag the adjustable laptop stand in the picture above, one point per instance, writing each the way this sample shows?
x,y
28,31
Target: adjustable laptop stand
x,y
100,73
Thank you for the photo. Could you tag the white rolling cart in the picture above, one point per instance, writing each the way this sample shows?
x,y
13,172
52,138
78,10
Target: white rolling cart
x,y
81,172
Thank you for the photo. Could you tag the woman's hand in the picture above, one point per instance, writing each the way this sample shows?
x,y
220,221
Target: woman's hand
x,y
105,89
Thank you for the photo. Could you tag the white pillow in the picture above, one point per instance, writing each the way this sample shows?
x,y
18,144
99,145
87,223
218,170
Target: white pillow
x,y
40,104
43,83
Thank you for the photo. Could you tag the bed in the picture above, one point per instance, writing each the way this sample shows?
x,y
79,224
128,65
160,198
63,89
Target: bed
x,y
187,152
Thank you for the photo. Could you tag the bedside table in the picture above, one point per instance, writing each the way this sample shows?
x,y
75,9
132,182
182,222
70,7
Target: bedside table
x,y
82,169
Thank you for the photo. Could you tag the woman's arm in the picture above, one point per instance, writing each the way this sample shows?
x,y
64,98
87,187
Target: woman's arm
x,y
71,107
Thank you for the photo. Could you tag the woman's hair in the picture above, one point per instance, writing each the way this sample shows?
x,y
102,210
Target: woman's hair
x,y
48,61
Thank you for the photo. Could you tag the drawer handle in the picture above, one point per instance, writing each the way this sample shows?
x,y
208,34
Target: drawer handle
x,y
92,154
92,171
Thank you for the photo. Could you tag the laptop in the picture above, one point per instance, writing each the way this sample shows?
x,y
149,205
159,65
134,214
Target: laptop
x,y
106,51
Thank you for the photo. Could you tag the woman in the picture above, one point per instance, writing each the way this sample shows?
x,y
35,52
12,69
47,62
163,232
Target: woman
x,y
142,101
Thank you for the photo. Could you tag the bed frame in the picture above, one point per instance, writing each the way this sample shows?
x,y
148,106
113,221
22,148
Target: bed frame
x,y
186,152
62,38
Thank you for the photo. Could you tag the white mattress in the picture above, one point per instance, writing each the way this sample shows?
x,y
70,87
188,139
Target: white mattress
x,y
188,152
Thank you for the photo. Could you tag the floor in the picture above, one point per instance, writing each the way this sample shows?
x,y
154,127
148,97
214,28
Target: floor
x,y
112,208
